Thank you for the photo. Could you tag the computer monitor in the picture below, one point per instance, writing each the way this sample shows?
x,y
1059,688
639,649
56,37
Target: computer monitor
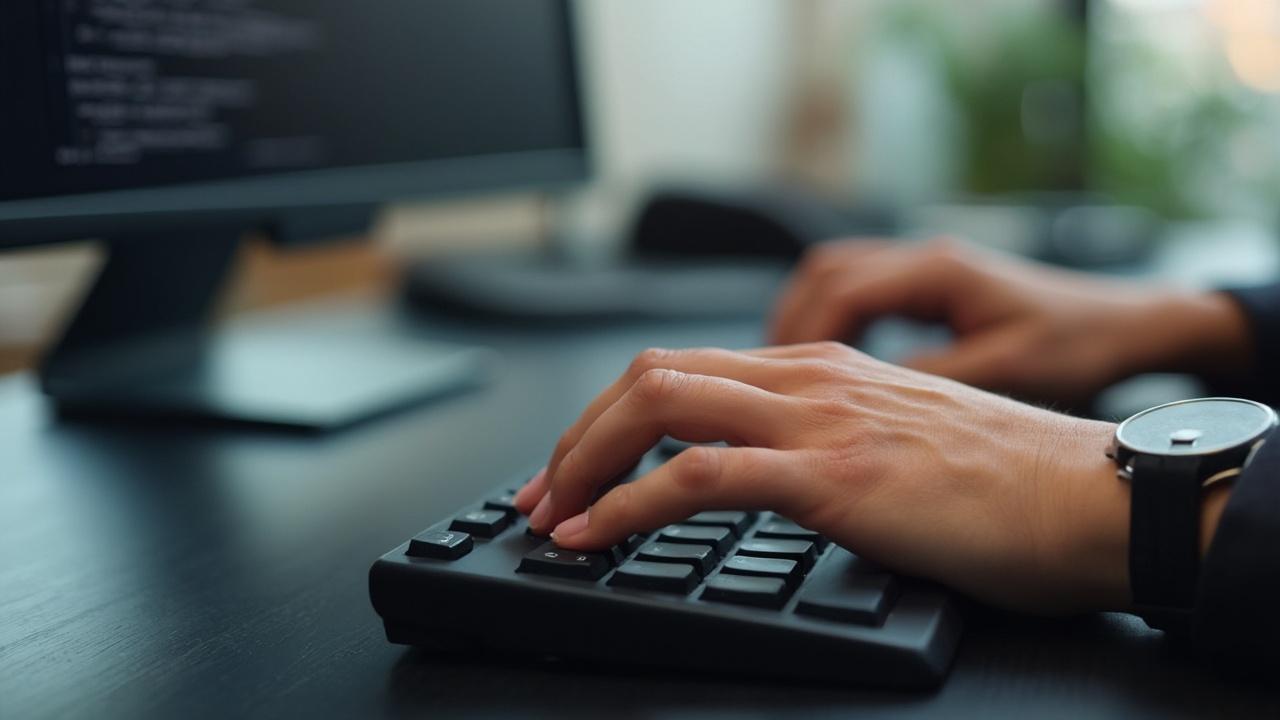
x,y
169,128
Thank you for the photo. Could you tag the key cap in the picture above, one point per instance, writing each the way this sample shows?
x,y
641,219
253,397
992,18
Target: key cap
x,y
550,559
735,520
787,530
838,589
766,592
505,502
700,557
788,570
719,538
663,577
802,551
440,544
481,523
633,542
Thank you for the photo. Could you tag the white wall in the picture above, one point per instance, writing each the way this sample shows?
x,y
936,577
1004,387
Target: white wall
x,y
680,90
685,87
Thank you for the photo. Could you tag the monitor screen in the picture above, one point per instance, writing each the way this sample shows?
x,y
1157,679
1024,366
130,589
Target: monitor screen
x,y
110,95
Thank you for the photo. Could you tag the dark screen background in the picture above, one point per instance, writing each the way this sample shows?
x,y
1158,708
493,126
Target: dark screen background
x,y
305,84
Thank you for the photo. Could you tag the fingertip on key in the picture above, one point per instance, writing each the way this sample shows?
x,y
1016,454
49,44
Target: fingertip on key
x,y
569,528
527,496
538,518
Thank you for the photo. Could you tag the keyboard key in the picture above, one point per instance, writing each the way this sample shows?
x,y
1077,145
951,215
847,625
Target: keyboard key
x,y
481,523
663,577
802,551
788,570
839,589
700,557
505,502
736,521
766,592
719,538
633,542
550,559
440,544
787,530
529,531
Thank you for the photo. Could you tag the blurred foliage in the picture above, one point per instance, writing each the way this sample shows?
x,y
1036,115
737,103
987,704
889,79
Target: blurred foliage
x,y
1140,106
1017,73
1171,126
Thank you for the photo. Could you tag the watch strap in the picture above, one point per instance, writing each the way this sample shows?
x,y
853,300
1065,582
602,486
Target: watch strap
x,y
1164,535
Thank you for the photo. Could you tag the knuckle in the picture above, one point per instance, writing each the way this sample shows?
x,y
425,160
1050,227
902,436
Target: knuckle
x,y
697,470
814,257
946,251
649,359
821,257
818,370
944,245
657,384
828,350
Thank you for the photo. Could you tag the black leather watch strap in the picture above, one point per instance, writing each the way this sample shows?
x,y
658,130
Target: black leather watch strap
x,y
1164,535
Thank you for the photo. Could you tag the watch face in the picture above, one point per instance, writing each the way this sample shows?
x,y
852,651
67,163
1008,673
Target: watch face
x,y
1196,427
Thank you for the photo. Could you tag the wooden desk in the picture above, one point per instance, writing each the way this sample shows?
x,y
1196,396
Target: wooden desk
x,y
168,572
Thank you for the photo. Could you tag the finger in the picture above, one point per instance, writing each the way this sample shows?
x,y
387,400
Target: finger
x,y
820,266
700,478
774,376
532,492
697,408
910,286
701,361
982,360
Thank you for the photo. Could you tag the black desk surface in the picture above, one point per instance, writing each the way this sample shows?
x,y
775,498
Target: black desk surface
x,y
188,573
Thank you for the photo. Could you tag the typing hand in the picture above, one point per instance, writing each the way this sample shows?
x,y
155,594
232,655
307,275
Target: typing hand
x,y
1025,329
1009,503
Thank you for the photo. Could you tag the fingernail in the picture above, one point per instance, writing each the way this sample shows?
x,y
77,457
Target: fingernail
x,y
570,527
540,513
537,478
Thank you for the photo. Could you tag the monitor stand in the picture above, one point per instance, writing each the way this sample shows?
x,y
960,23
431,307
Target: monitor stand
x,y
141,345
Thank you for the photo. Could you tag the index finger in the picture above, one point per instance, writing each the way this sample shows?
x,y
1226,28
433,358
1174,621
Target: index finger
x,y
700,478
821,265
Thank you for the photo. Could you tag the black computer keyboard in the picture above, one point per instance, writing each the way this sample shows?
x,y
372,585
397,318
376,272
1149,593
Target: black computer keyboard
x,y
724,591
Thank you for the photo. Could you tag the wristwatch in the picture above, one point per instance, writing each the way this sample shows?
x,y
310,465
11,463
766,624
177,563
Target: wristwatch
x,y
1169,455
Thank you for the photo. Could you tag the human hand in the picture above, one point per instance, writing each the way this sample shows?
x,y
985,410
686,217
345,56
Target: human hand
x,y
1009,503
1021,328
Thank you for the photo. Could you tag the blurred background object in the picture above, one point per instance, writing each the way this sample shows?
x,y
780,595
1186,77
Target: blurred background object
x,y
1089,132
1187,102
1019,115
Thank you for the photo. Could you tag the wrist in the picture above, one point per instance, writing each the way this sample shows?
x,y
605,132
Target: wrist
x,y
1092,550
1205,333
1096,513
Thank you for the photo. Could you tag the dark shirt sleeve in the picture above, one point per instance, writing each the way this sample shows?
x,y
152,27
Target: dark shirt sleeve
x,y
1261,306
1237,615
